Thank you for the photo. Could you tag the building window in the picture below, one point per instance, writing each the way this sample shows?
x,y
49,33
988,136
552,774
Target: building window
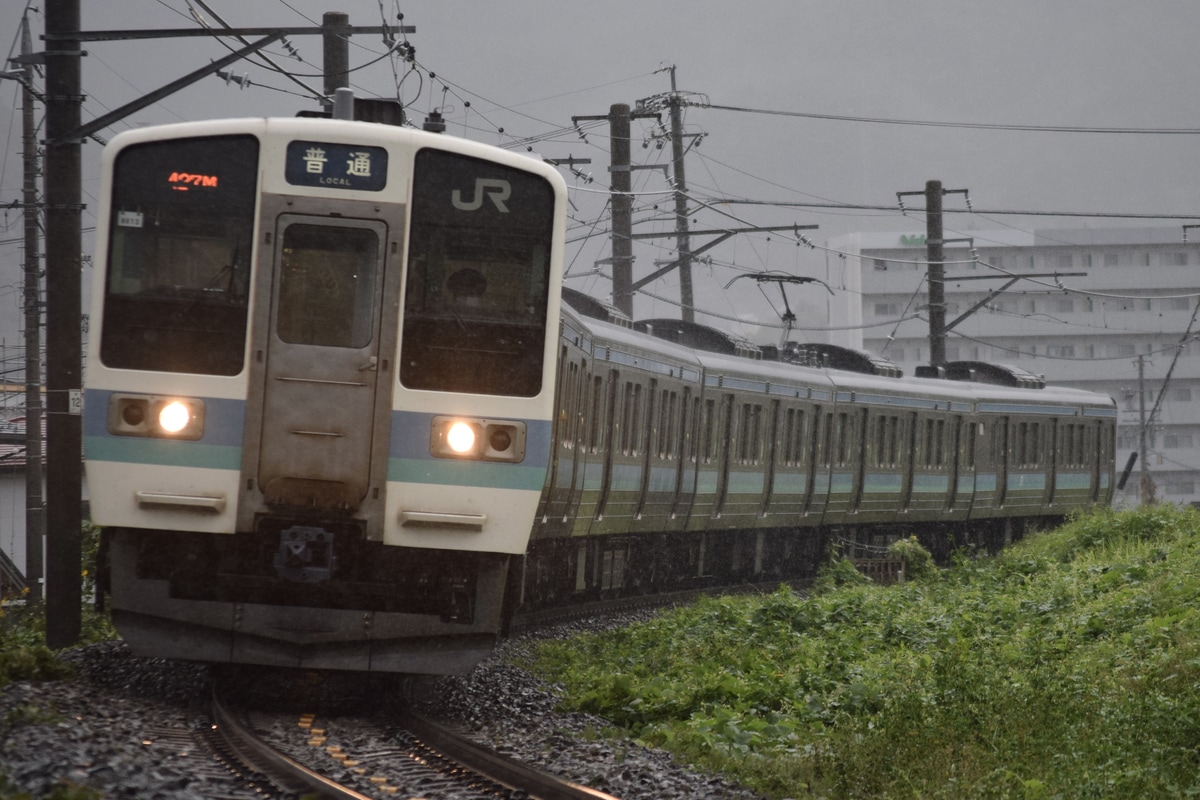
x,y
1176,304
1176,441
1111,259
1064,260
887,309
1064,305
1121,351
1175,259
1179,486
1060,350
1181,394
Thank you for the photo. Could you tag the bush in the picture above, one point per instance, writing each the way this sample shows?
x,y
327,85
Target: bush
x,y
918,562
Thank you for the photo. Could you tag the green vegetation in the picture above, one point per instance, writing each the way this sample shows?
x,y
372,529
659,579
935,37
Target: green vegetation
x,y
25,657
1066,667
23,654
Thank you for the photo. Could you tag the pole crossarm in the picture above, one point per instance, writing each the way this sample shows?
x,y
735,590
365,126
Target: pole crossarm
x,y
100,123
725,231
172,33
658,273
721,235
1014,278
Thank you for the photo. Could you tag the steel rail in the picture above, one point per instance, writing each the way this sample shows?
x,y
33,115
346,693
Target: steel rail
x,y
279,768
503,770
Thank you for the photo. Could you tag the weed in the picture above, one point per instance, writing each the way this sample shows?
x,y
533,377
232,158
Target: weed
x,y
1066,666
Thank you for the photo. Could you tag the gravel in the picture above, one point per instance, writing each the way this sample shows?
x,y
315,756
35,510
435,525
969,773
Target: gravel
x,y
123,727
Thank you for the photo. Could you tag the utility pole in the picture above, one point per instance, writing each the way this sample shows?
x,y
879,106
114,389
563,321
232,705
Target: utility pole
x,y
935,256
622,208
34,505
621,186
64,430
1146,485
937,273
335,34
683,242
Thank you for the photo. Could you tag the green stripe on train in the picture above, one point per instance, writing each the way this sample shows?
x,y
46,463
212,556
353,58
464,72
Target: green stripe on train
x,y
484,474
162,452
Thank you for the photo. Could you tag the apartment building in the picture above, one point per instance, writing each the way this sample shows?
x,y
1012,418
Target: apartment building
x,y
1112,310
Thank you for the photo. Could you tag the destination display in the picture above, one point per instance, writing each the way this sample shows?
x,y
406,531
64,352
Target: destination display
x,y
336,166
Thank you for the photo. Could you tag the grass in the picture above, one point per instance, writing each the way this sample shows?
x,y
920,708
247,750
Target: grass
x,y
25,657
1068,666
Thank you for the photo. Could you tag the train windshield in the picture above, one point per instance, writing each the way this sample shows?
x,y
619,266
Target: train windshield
x,y
176,295
478,273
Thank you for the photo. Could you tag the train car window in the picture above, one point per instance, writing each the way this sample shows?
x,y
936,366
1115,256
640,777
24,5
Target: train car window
x,y
177,290
597,412
772,439
843,438
710,418
750,444
569,411
688,417
939,443
968,462
667,422
477,285
826,448
791,420
327,282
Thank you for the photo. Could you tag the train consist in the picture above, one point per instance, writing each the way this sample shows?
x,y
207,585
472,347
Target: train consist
x,y
336,416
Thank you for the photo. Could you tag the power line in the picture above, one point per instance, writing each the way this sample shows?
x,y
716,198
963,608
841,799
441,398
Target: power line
x,y
969,125
979,211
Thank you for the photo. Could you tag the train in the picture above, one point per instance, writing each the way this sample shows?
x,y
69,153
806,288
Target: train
x,y
340,413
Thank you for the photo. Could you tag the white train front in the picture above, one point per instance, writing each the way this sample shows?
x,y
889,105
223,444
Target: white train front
x,y
319,388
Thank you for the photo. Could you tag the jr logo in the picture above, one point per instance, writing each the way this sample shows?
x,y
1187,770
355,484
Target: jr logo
x,y
496,190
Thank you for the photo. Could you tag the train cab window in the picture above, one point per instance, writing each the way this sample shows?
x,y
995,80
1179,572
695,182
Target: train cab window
x,y
327,285
177,291
477,284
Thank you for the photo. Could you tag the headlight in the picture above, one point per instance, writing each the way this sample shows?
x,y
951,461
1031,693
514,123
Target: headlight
x,y
461,437
155,416
477,439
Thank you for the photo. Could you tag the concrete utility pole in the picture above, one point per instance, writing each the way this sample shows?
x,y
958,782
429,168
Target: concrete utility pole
x,y
621,185
622,209
935,256
683,240
937,273
1146,485
35,522
335,33
64,431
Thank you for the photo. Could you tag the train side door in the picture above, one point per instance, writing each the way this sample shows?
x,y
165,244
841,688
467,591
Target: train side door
x,y
322,361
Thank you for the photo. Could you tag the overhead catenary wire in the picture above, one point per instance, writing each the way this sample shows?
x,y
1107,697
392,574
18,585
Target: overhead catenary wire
x,y
969,125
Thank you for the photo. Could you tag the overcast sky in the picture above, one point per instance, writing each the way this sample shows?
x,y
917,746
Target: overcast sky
x,y
528,66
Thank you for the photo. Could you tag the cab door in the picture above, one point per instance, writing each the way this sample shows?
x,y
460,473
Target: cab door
x,y
322,361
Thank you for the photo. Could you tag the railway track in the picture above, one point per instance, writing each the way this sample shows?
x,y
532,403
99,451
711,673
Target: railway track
x,y
420,758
